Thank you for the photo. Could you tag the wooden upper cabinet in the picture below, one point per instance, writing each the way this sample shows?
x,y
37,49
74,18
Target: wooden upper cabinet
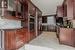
x,y
74,9
12,9
39,13
70,13
32,9
69,9
65,8
60,11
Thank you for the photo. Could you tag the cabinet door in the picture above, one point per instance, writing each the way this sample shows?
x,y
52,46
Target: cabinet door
x,y
60,11
74,9
32,10
10,39
38,21
73,36
32,35
39,14
15,38
20,37
67,36
27,35
65,10
70,9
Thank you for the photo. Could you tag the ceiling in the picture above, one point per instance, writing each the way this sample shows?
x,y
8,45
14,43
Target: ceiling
x,y
48,7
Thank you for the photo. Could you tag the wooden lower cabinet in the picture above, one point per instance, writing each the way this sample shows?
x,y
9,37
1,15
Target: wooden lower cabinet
x,y
32,35
20,37
67,36
15,39
10,39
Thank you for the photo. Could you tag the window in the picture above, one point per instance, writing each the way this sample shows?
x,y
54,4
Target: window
x,y
44,19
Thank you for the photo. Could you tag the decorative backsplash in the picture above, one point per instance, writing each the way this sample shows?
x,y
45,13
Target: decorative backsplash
x,y
10,24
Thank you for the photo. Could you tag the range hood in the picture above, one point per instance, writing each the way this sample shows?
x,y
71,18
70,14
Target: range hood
x,y
10,24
